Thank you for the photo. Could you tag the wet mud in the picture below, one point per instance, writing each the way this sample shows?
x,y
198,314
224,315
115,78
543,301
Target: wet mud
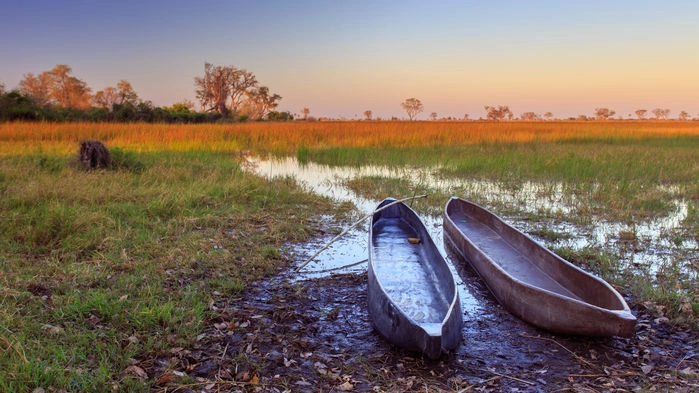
x,y
315,335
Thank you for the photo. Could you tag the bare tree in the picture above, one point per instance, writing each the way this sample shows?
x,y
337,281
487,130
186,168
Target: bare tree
x,y
221,84
412,107
684,116
433,115
213,89
498,113
661,114
367,114
641,114
604,113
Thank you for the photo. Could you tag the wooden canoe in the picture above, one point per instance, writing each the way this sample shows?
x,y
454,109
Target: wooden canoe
x,y
532,282
413,298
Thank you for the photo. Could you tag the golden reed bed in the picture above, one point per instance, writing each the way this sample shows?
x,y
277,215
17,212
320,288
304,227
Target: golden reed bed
x,y
62,138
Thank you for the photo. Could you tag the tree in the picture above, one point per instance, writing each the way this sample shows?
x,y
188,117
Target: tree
x,y
126,93
661,114
305,112
36,88
641,114
57,87
548,115
412,107
604,113
433,115
684,116
66,90
529,116
221,84
367,114
498,113
213,89
106,98
259,103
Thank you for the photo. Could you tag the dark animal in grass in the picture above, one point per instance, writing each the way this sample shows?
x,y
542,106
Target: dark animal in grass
x,y
93,155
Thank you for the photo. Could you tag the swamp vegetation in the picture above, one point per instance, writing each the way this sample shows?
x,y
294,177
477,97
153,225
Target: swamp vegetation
x,y
99,269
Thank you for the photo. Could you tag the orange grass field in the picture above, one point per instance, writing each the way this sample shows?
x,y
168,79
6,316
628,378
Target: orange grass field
x,y
286,138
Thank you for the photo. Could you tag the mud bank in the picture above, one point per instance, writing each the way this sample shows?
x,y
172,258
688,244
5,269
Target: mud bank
x,y
315,335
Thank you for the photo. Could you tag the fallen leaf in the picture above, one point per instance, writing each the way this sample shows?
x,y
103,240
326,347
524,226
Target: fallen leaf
x,y
135,370
52,329
646,368
345,387
414,240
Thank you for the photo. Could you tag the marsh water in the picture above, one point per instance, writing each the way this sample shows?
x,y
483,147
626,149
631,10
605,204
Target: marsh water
x,y
496,345
530,198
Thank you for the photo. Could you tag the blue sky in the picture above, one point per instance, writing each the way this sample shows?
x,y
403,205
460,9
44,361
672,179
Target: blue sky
x,y
341,58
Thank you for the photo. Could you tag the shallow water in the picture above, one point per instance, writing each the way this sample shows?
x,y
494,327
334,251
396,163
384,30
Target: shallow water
x,y
530,197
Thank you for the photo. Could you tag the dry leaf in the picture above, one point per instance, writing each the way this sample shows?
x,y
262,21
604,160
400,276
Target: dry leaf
x,y
135,370
52,329
414,240
686,307
646,368
345,387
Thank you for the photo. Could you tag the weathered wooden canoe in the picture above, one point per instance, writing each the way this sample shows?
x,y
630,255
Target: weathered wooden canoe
x,y
413,298
532,282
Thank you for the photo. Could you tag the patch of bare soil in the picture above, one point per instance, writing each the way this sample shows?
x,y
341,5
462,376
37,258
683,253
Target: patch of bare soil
x,y
316,336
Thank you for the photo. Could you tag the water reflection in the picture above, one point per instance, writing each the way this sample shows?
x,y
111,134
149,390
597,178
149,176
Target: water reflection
x,y
530,197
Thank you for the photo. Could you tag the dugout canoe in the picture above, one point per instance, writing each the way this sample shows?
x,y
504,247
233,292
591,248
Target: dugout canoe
x,y
412,294
532,282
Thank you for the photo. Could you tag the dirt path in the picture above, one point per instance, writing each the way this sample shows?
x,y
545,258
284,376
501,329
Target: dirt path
x,y
316,336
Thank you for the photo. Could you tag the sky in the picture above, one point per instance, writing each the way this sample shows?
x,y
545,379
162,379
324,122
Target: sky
x,y
342,58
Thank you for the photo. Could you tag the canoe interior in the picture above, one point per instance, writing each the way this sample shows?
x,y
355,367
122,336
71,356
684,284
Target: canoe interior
x,y
527,261
405,274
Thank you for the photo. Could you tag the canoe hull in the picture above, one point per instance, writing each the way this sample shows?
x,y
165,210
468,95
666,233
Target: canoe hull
x,y
412,296
532,282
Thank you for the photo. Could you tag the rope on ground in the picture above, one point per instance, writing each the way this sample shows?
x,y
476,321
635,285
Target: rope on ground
x,y
354,225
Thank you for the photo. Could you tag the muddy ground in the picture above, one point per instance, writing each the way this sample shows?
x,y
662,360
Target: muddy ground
x,y
316,336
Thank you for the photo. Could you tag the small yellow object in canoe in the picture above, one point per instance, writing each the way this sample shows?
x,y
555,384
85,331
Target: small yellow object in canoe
x,y
414,240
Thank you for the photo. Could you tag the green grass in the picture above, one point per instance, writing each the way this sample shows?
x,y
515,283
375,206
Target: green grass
x,y
625,179
100,267
618,180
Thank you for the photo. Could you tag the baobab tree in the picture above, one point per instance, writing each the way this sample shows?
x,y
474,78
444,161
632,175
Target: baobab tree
x,y
412,107
221,84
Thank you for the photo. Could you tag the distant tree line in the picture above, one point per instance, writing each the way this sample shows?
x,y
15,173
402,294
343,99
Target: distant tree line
x,y
57,95
413,106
